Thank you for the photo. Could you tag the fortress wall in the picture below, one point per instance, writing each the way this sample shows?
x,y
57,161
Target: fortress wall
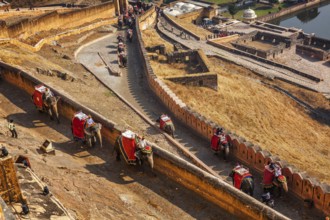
x,y
55,20
190,176
249,154
179,27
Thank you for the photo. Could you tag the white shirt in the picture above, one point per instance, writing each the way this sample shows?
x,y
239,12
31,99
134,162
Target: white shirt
x,y
90,121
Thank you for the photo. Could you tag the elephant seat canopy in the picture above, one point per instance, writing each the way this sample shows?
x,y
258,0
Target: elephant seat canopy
x,y
127,145
239,174
39,90
78,123
215,143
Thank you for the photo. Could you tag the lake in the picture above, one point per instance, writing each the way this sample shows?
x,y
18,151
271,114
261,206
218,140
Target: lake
x,y
312,20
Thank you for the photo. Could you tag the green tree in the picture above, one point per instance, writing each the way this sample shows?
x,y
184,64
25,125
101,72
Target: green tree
x,y
232,9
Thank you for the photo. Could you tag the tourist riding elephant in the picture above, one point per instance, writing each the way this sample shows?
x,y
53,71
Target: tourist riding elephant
x,y
50,106
92,133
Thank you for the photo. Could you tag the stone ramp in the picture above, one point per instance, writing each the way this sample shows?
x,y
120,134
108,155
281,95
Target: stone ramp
x,y
133,86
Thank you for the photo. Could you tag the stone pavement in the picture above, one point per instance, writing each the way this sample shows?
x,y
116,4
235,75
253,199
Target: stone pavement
x,y
133,86
262,68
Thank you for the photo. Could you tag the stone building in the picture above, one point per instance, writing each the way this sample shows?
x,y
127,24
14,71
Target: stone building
x,y
249,15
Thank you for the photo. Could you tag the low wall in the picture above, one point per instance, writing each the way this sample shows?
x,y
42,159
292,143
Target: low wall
x,y
181,171
200,79
251,155
55,20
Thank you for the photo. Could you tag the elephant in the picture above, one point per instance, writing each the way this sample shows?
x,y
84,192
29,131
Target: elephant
x,y
279,183
92,133
247,183
142,155
50,106
168,127
220,143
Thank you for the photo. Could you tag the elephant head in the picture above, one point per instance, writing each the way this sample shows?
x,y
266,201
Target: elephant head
x,y
51,106
93,132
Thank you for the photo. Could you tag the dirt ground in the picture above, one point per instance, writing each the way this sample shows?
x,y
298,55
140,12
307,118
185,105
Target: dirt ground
x,y
88,181
262,115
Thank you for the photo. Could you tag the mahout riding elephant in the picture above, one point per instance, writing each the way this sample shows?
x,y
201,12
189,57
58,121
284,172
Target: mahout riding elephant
x,y
134,152
273,180
46,101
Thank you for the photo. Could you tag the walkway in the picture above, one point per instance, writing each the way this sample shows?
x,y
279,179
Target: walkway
x,y
133,86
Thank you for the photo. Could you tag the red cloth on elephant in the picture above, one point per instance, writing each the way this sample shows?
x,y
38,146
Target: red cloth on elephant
x,y
37,95
268,177
215,143
128,146
239,174
164,120
78,123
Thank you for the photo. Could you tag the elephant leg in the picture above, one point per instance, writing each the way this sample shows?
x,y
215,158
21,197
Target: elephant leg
x,y
99,137
49,110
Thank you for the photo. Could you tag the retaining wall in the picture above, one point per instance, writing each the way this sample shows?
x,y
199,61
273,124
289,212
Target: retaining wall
x,y
181,171
199,79
251,155
55,20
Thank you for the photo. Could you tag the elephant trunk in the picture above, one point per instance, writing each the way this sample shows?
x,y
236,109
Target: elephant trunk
x,y
285,186
99,137
150,159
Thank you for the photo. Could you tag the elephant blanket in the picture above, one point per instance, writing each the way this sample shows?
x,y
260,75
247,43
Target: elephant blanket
x,y
37,96
78,122
164,120
215,142
239,174
127,145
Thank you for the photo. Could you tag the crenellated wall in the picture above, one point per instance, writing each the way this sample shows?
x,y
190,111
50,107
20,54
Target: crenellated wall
x,y
249,154
200,182
55,20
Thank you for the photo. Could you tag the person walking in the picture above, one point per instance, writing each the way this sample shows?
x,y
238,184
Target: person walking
x,y
12,128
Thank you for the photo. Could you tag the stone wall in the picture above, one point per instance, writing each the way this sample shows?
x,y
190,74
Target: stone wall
x,y
315,47
312,52
208,80
249,154
196,56
190,176
56,20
